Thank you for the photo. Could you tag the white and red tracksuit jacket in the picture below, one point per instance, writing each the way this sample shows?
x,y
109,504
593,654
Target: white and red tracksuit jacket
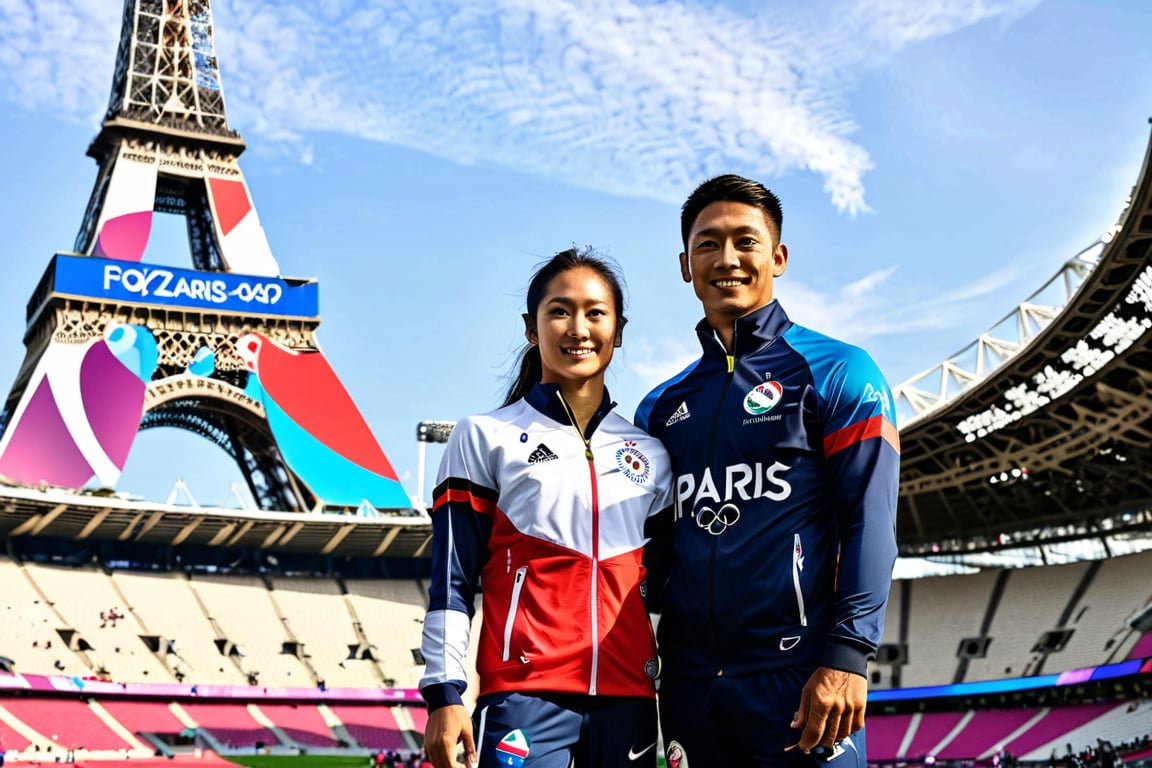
x,y
551,522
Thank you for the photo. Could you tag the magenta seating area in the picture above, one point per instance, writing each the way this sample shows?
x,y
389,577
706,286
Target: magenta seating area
x,y
985,730
372,727
981,735
230,724
10,738
144,716
71,724
302,723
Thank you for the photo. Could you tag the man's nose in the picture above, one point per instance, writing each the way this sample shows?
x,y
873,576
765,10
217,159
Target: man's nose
x,y
729,255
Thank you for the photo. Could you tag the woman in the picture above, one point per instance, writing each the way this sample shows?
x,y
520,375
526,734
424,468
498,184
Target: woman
x,y
545,501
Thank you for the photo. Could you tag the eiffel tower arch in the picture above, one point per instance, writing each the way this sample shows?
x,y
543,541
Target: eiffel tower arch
x,y
225,349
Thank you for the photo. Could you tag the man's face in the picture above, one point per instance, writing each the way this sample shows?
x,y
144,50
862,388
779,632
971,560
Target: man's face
x,y
732,259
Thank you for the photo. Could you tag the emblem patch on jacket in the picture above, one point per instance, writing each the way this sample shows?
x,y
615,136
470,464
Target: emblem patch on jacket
x,y
632,463
763,397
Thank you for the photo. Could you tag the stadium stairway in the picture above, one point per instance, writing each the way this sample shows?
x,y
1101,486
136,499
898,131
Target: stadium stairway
x,y
33,737
284,738
337,726
138,747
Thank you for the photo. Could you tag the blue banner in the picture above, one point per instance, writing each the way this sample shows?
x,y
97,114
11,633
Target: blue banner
x,y
149,284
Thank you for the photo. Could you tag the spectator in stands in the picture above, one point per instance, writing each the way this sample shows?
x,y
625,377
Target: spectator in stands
x,y
779,551
545,500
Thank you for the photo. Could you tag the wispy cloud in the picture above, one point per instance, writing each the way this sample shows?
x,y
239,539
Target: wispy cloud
x,y
630,97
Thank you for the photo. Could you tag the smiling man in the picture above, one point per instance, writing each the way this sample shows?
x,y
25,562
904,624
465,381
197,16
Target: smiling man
x,y
771,572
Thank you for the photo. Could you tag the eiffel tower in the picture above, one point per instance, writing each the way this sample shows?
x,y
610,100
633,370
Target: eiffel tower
x,y
224,349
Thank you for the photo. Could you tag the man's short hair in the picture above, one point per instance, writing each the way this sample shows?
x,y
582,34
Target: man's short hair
x,y
733,188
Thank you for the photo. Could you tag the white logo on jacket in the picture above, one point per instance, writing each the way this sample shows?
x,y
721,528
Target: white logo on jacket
x,y
741,481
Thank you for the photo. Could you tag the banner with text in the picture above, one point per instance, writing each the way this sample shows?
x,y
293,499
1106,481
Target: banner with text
x,y
149,284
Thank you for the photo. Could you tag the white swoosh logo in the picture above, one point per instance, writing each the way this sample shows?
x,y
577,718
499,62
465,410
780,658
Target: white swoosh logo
x,y
636,755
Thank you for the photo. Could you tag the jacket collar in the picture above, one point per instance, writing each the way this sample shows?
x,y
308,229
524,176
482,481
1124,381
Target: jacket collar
x,y
753,331
548,399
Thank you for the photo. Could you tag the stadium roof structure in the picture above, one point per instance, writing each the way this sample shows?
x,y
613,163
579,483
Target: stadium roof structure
x,y
1043,436
82,516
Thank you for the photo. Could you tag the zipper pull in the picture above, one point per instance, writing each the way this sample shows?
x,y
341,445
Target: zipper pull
x,y
588,452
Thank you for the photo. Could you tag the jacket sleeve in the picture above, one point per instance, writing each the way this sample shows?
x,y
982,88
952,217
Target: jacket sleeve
x,y
463,503
657,557
862,454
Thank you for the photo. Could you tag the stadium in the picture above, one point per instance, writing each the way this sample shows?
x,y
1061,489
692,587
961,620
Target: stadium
x,y
1019,629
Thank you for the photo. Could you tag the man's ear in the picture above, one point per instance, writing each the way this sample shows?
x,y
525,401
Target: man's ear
x,y
530,330
779,260
685,272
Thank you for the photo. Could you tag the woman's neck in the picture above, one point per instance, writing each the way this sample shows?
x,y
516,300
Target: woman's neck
x,y
584,400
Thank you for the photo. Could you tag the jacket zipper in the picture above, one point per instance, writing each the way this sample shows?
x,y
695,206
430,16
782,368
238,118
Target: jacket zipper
x,y
797,566
731,359
595,599
517,585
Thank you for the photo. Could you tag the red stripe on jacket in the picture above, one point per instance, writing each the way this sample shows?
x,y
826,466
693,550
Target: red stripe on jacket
x,y
480,505
877,426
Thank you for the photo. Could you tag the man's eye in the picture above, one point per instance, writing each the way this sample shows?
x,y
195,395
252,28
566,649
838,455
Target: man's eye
x,y
747,242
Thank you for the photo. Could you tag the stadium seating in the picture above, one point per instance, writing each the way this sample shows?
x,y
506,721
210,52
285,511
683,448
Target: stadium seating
x,y
170,608
101,619
1020,622
324,623
301,723
371,727
1027,733
30,636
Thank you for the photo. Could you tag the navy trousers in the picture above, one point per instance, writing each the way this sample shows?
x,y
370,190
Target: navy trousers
x,y
742,722
532,730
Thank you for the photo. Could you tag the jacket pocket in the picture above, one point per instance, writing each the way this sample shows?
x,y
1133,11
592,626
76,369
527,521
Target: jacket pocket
x,y
797,567
513,607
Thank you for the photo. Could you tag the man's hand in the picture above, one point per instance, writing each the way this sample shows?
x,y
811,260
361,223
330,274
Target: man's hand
x,y
831,707
446,727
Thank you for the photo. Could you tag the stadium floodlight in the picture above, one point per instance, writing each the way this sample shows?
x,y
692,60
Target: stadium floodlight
x,y
428,431
433,431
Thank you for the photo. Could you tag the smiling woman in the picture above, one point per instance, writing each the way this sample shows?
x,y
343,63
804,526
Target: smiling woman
x,y
566,656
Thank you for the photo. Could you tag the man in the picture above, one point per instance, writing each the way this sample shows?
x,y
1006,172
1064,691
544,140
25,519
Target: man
x,y
772,569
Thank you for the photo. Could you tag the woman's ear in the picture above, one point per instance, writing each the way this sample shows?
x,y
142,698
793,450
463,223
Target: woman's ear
x,y
619,341
530,330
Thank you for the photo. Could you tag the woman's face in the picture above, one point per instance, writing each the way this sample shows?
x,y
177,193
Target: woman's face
x,y
576,328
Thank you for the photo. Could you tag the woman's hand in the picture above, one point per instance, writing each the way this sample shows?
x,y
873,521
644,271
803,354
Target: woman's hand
x,y
447,727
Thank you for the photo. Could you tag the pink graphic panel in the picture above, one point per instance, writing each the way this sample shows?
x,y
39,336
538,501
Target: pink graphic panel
x,y
126,211
124,237
41,449
113,400
81,411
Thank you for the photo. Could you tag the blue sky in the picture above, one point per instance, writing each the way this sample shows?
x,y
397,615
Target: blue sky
x,y
938,160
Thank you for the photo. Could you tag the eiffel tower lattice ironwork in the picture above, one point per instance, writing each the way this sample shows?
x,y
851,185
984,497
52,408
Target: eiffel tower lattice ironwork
x,y
225,349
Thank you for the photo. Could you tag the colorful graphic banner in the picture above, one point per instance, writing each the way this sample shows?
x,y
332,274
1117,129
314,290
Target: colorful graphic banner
x,y
222,291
